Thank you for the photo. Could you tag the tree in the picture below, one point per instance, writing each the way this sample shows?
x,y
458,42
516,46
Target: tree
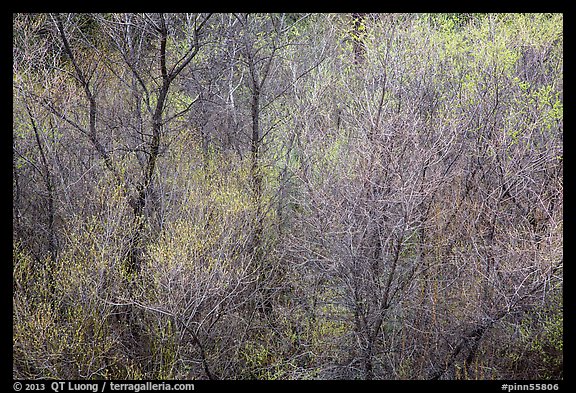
x,y
287,196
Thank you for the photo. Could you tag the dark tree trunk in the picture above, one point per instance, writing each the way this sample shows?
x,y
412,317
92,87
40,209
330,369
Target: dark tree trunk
x,y
358,35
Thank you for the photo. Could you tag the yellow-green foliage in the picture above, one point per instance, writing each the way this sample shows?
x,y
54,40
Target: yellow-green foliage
x,y
164,348
62,309
490,45
60,328
329,327
547,344
83,316
300,345
262,362
539,342
217,204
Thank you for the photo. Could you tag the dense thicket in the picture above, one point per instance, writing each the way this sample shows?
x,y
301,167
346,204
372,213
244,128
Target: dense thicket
x,y
287,196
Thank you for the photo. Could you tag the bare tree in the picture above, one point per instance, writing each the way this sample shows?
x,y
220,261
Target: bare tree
x,y
287,196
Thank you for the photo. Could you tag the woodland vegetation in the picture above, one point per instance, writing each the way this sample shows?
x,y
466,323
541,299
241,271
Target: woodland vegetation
x,y
287,196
